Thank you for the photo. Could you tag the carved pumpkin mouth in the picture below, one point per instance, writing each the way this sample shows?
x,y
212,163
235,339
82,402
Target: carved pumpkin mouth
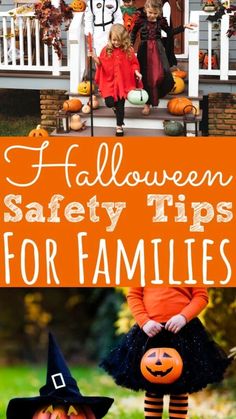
x,y
159,373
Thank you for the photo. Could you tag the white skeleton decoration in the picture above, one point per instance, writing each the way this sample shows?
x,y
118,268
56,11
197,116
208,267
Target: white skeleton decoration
x,y
99,17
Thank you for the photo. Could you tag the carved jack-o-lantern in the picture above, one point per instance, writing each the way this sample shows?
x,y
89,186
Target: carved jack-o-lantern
x,y
84,88
38,132
62,412
214,62
161,365
78,5
179,86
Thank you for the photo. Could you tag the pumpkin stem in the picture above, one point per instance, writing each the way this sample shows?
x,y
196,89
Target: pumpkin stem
x,y
38,126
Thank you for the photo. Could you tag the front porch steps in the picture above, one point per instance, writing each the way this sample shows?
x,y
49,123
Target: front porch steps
x,y
110,132
136,124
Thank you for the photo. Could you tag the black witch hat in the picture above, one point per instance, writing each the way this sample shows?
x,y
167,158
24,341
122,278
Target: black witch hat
x,y
60,389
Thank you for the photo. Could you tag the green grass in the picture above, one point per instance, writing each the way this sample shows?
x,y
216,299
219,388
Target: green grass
x,y
25,381
17,126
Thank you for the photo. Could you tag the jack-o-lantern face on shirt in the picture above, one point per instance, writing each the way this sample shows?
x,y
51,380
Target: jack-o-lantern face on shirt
x,y
161,365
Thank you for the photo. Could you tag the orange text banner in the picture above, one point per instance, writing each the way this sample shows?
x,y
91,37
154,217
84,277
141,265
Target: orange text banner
x,y
106,212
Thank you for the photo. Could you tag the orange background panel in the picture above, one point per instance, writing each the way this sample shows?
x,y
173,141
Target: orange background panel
x,y
85,252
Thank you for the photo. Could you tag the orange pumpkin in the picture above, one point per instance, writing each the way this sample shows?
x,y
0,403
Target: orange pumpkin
x,y
201,56
214,61
38,132
178,87
84,88
176,105
161,365
78,6
76,413
179,73
89,413
72,105
59,413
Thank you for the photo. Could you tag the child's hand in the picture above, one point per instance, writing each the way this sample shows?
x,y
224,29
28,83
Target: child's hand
x,y
138,75
94,56
151,328
190,25
175,323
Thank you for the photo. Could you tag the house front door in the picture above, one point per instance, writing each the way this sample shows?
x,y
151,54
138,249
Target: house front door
x,y
177,16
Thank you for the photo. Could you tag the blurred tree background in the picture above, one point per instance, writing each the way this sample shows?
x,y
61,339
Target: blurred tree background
x,y
87,322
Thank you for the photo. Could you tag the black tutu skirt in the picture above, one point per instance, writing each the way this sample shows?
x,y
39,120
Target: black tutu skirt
x,y
204,362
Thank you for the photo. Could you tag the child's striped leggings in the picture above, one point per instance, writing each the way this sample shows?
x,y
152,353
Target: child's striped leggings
x,y
153,406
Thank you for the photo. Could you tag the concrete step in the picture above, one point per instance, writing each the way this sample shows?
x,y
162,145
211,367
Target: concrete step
x,y
104,117
162,104
110,132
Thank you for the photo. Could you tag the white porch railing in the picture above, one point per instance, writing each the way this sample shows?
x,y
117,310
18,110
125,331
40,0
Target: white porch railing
x,y
21,47
196,44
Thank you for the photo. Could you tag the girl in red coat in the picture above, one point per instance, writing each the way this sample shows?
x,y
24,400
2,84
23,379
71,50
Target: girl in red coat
x,y
117,69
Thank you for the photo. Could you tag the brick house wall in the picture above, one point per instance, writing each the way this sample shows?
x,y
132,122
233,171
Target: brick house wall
x,y
50,103
222,114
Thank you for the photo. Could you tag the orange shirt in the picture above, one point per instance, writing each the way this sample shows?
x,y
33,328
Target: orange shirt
x,y
160,304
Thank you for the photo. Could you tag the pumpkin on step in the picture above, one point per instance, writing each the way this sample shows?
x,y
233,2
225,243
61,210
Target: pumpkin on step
x,y
84,88
161,365
179,73
94,102
173,128
137,96
38,132
86,108
72,105
76,123
178,86
176,105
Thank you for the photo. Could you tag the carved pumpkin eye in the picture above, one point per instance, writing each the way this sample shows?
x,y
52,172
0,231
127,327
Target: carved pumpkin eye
x,y
161,365
165,355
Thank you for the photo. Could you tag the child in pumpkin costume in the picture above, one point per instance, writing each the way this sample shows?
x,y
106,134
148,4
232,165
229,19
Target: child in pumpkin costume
x,y
167,318
154,64
60,396
129,13
117,70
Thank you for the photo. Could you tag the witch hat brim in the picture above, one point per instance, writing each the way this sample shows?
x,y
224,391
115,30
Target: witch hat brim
x,y
60,389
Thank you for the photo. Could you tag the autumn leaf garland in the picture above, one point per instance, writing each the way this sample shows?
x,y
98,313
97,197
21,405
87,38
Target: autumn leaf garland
x,y
51,19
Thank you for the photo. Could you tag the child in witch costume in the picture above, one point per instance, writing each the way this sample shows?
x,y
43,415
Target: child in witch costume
x,y
154,64
167,318
117,71
60,397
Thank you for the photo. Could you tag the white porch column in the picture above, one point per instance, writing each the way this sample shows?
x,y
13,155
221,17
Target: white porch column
x,y
56,63
77,51
193,65
224,48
